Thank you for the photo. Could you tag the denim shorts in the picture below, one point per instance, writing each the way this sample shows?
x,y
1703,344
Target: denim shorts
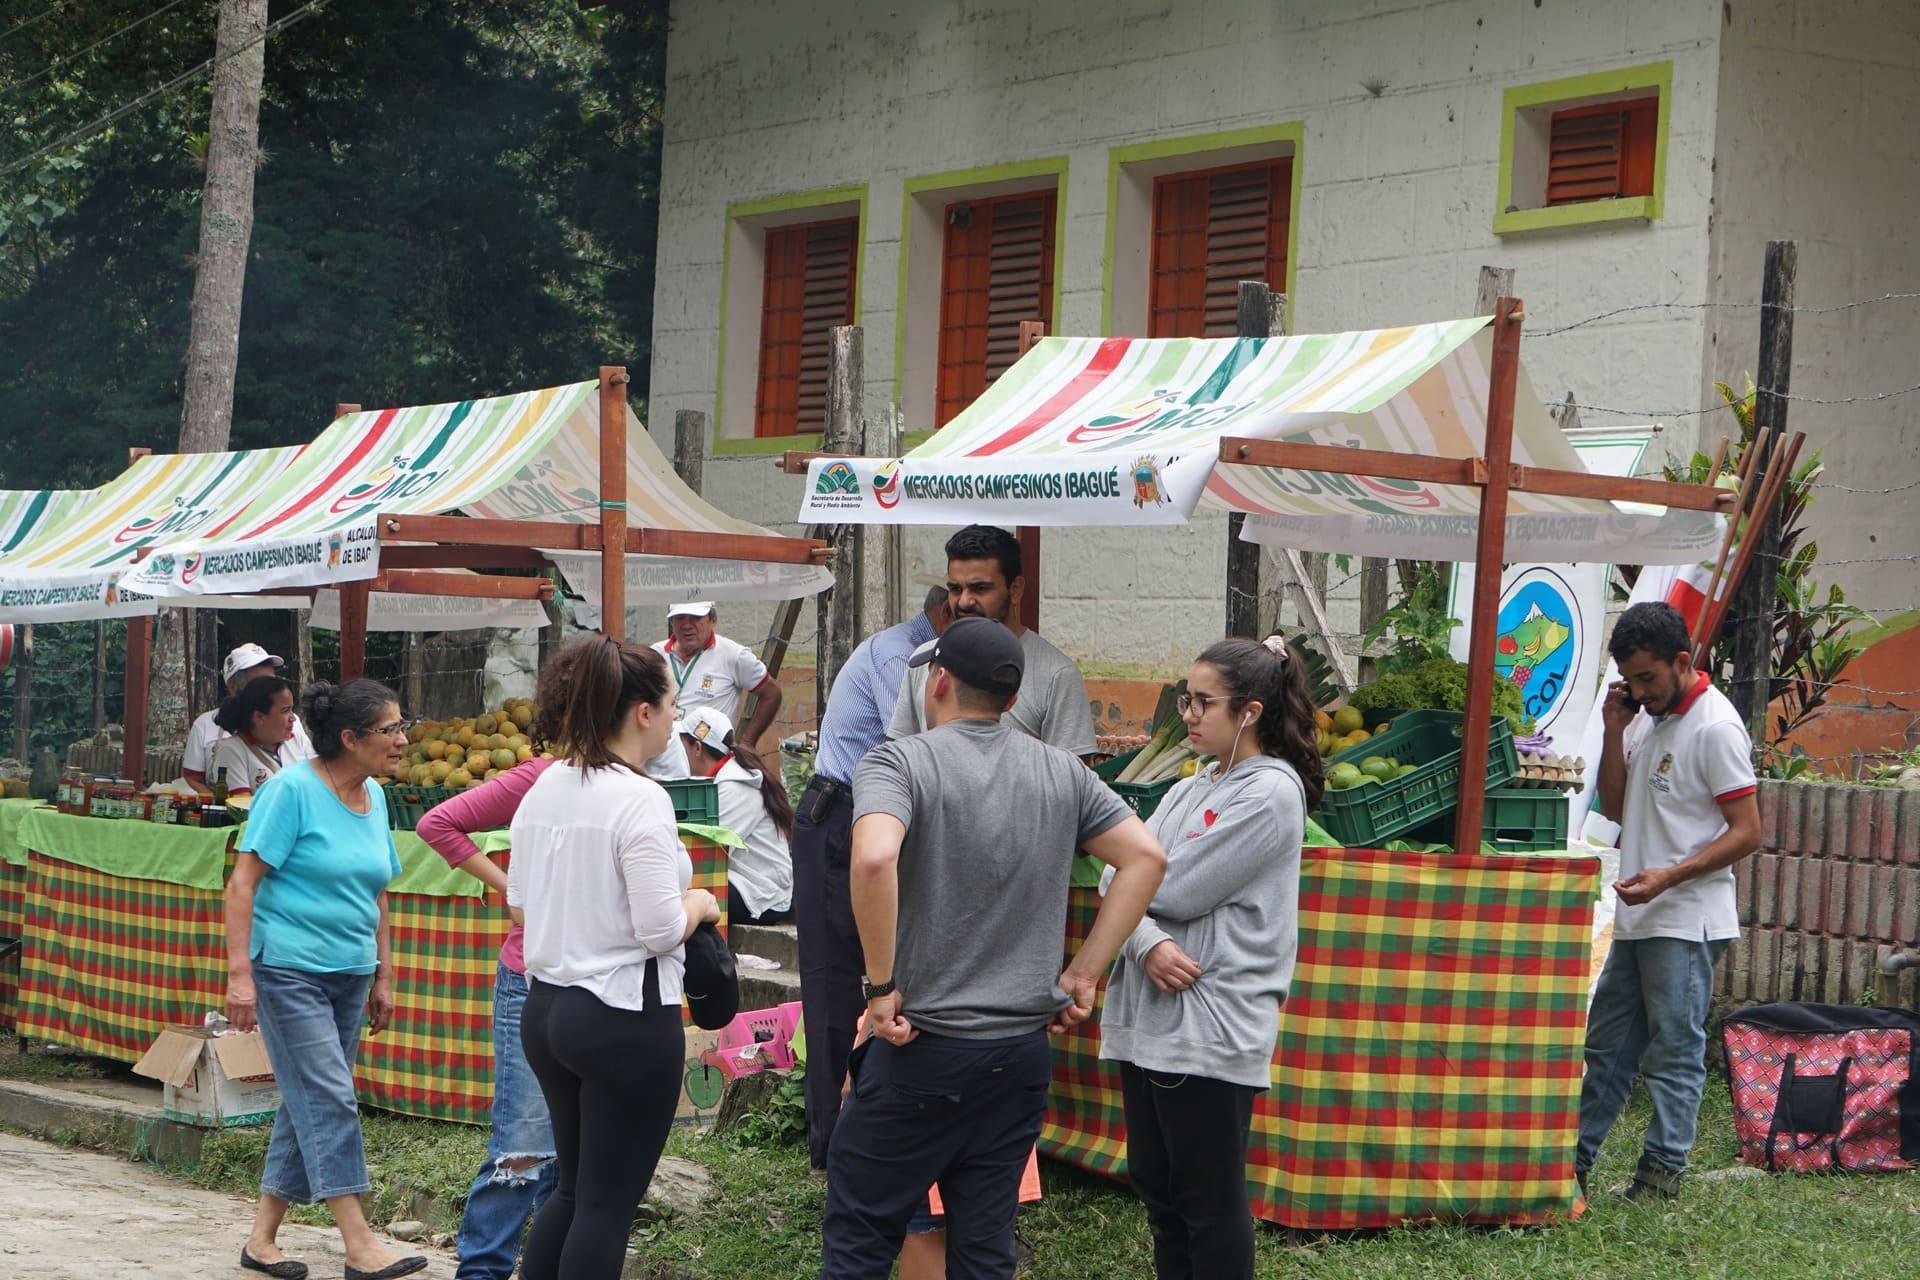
x,y
311,1024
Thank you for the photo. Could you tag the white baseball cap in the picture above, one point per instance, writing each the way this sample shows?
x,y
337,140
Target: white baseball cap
x,y
706,726
246,658
691,609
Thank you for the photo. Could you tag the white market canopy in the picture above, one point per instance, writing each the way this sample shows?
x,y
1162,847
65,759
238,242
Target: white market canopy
x,y
24,512
531,456
1127,431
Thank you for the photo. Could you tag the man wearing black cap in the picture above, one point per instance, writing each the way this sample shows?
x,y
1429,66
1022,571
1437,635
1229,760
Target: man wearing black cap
x,y
963,842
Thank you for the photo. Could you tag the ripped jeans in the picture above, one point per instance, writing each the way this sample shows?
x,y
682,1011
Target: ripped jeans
x,y
502,1200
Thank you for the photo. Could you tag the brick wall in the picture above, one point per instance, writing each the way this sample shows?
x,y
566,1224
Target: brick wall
x,y
1836,878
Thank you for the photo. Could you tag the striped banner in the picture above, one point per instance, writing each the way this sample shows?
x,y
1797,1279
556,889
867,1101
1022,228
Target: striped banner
x,y
1428,1065
25,512
533,455
1126,431
70,568
111,961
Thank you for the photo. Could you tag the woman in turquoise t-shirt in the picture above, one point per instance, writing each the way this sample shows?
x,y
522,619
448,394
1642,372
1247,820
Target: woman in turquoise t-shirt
x,y
308,947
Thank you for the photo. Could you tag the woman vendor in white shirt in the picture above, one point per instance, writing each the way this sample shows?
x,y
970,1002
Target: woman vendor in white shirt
x,y
260,726
755,807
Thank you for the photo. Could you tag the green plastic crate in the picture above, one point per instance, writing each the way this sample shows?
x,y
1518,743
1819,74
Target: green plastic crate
x,y
1142,799
1366,817
407,803
694,800
1517,820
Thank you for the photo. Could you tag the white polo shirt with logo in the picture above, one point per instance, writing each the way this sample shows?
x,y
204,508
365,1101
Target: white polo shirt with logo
x,y
1681,767
718,675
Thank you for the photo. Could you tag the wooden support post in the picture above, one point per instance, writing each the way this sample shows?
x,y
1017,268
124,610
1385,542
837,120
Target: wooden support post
x,y
133,728
838,607
1489,555
413,675
23,697
1253,320
99,674
690,447
613,501
353,629
1031,331
1373,606
302,647
303,624
1753,607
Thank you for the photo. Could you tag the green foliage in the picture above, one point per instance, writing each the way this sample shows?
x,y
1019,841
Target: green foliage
x,y
460,200
1420,623
783,1123
61,708
1439,684
1815,633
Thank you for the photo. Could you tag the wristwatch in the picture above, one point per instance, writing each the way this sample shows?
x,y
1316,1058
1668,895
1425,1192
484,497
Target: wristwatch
x,y
874,990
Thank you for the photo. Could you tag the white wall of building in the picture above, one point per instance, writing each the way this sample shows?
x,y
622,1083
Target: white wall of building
x,y
1819,111
1400,103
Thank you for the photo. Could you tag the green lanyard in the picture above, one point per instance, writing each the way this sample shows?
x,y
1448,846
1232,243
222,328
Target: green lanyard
x,y
680,677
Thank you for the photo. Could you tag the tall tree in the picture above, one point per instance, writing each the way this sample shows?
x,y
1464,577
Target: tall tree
x,y
213,340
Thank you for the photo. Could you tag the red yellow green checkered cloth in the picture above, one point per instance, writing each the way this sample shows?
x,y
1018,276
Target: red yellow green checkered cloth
x,y
1429,1056
110,961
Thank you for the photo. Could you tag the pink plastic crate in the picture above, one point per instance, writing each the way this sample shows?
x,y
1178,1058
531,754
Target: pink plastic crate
x,y
760,1040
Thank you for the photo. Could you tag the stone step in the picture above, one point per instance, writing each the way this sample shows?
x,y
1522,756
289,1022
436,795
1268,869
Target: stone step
x,y
763,989
779,943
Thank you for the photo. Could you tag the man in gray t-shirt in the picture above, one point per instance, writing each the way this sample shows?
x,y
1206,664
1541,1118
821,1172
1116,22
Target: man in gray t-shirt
x,y
985,580
963,843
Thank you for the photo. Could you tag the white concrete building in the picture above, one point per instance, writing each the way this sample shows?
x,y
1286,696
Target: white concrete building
x,y
937,171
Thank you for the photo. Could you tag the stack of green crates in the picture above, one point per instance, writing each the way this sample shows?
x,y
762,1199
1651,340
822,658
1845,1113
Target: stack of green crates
x,y
1517,820
1368,816
694,800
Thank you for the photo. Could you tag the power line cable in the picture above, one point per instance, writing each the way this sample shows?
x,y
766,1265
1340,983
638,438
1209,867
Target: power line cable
x,y
24,23
88,130
71,58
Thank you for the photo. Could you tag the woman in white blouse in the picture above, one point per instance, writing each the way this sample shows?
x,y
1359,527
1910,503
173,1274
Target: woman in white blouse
x,y
600,879
260,726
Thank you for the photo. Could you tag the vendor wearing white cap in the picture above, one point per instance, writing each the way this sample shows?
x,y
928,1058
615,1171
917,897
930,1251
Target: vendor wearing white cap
x,y
710,670
755,807
242,665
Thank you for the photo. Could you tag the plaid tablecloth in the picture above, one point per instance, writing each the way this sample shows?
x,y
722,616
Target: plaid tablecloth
x,y
1429,1056
13,889
111,960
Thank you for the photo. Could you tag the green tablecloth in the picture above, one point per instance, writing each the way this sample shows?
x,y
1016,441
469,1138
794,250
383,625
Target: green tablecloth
x,y
424,871
129,848
12,852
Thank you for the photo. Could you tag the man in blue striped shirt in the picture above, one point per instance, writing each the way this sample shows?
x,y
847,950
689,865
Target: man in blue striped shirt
x,y
831,965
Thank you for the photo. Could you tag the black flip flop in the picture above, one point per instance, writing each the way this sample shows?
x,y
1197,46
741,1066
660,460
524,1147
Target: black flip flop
x,y
392,1271
285,1269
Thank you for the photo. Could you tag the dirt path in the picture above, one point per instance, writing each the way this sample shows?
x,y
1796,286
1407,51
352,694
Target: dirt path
x,y
80,1215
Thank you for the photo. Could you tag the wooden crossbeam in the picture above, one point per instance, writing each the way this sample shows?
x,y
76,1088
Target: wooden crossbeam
x,y
442,557
795,461
482,532
484,586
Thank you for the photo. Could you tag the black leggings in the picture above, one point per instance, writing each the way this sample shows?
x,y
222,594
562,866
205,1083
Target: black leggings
x,y
737,912
1187,1160
612,1079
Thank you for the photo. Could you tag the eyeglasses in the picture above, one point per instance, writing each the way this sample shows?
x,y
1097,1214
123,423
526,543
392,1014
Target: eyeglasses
x,y
397,729
1186,702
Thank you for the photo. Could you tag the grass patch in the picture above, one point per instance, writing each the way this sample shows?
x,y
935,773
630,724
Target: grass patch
x,y
763,1220
42,1063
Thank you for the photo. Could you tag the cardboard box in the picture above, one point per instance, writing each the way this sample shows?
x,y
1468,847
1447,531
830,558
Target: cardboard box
x,y
215,1081
701,1084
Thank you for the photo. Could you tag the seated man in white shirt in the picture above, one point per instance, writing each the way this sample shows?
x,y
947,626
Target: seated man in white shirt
x,y
241,666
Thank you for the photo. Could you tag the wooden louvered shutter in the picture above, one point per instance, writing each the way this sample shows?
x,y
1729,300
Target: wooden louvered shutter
x,y
808,290
997,270
1211,230
1602,153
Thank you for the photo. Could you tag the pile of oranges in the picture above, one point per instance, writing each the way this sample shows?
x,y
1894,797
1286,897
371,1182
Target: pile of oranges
x,y
465,752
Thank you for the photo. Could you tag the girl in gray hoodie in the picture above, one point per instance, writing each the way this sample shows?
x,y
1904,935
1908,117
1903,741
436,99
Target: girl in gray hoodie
x,y
1193,1007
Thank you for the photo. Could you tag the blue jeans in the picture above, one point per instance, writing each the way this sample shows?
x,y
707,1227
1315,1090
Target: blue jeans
x,y
311,1025
1649,1018
501,1199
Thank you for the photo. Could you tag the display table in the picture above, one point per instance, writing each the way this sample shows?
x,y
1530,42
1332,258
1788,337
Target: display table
x,y
125,936
13,881
1429,1057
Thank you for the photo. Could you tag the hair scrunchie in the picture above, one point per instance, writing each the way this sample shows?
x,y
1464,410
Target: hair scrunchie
x,y
1276,644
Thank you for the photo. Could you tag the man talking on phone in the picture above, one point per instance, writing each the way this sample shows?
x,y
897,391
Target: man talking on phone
x,y
1676,772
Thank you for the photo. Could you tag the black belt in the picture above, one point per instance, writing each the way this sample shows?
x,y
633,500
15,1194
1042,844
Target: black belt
x,y
833,787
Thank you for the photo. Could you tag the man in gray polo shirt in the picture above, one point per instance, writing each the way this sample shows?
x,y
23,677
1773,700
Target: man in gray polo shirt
x,y
985,580
963,841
